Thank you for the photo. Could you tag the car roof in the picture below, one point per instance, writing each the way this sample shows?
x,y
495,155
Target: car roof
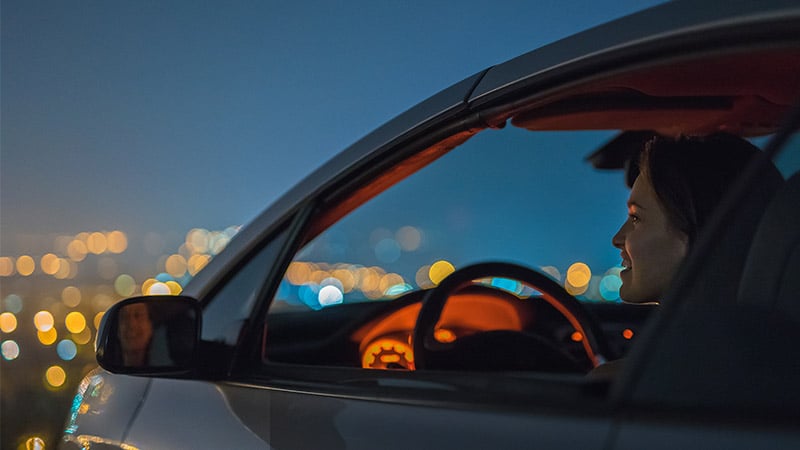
x,y
657,33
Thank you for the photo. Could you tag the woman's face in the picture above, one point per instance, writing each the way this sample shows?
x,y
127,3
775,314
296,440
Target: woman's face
x,y
652,249
135,327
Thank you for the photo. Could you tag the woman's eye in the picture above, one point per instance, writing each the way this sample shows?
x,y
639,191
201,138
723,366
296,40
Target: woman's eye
x,y
633,218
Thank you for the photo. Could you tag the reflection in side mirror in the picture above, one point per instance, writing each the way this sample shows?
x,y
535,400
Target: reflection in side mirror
x,y
150,335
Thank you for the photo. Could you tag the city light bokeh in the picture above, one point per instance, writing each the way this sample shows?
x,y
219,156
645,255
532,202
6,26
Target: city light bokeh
x,y
53,297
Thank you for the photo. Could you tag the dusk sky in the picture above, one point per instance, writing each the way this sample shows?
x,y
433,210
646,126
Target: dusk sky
x,y
164,116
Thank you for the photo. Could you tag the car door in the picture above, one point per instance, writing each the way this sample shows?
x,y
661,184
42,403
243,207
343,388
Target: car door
x,y
719,368
331,363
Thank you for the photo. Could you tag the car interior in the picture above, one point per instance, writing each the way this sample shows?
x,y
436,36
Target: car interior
x,y
477,323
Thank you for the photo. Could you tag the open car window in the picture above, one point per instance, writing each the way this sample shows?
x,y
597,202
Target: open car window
x,y
351,295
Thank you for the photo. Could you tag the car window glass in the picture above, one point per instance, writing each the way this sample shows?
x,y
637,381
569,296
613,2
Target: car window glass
x,y
224,314
505,195
788,159
497,197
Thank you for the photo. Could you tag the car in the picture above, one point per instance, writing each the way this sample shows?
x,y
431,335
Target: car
x,y
448,281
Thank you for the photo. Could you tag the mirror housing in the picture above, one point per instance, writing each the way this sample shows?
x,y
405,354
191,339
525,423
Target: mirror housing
x,y
151,335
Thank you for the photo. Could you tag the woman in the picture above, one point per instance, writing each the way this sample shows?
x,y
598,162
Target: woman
x,y
680,181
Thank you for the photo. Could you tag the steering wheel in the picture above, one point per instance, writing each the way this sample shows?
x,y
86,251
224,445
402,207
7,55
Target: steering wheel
x,y
541,354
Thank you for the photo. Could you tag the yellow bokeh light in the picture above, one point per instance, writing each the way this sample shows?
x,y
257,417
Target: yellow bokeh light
x,y
440,270
8,322
43,320
117,241
579,275
50,264
96,243
347,279
55,376
197,240
298,272
174,287
422,277
370,279
75,322
148,283
196,263
97,319
25,265
389,280
47,337
6,266
71,296
576,290
64,269
176,266
76,250
83,337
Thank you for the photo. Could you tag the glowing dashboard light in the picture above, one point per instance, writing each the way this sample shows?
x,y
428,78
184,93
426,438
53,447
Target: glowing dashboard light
x,y
8,322
577,336
440,270
388,353
444,336
627,333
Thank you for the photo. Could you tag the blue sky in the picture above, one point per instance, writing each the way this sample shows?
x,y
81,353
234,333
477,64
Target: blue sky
x,y
163,116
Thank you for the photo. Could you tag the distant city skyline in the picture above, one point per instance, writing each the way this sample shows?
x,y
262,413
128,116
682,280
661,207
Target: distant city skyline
x,y
161,117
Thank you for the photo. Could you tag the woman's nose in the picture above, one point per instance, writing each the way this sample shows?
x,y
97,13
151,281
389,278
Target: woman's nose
x,y
618,240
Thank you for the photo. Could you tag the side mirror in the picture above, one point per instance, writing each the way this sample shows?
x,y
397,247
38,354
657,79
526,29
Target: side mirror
x,y
152,335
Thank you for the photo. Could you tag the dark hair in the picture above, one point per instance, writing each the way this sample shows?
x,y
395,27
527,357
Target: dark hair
x,y
691,175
